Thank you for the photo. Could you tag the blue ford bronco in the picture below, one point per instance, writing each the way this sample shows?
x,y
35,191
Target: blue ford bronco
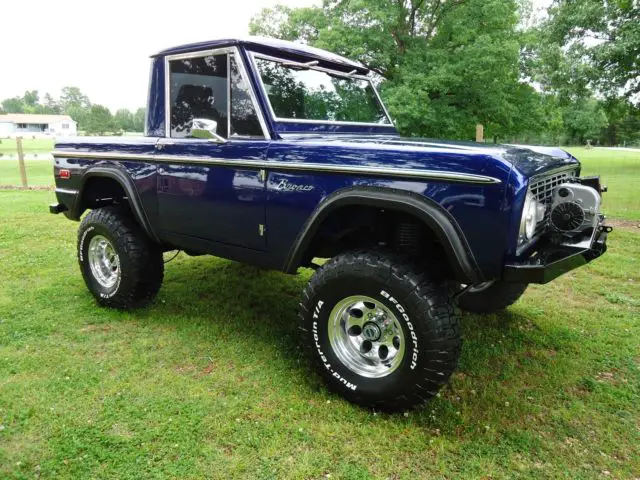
x,y
278,154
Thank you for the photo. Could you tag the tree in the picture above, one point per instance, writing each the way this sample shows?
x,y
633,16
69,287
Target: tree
x,y
623,122
447,64
51,105
376,32
77,105
13,105
99,120
584,120
124,120
72,97
604,37
139,119
30,99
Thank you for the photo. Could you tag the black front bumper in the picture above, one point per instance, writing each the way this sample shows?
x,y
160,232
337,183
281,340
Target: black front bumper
x,y
551,261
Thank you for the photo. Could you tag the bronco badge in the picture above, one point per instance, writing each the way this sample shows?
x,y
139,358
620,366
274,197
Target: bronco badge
x,y
285,186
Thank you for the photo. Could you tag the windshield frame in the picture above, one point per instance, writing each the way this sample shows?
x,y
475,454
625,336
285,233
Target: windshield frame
x,y
254,55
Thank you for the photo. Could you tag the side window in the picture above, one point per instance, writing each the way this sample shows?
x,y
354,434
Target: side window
x,y
244,119
198,89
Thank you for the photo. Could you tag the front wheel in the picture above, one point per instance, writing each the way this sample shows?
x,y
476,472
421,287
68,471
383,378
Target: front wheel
x,y
379,331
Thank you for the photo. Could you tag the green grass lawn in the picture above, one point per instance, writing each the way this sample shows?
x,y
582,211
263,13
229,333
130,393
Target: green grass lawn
x,y
620,171
8,145
210,382
39,172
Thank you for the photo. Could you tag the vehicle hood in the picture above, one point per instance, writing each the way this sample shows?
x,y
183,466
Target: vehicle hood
x,y
528,160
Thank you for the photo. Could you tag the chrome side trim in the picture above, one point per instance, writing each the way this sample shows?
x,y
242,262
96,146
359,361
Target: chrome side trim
x,y
205,53
253,56
289,166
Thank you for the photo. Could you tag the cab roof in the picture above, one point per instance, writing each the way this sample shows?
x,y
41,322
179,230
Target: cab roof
x,y
271,46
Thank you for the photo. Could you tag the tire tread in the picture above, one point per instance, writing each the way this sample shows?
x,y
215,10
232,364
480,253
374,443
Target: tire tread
x,y
144,257
443,335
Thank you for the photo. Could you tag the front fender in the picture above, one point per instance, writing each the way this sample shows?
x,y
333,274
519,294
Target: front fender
x,y
431,213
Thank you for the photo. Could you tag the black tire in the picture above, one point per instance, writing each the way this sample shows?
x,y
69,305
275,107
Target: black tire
x,y
495,297
423,309
140,267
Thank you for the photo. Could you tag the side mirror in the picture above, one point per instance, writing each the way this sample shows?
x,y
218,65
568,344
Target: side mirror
x,y
205,128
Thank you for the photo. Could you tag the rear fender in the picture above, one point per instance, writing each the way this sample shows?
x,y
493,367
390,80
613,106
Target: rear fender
x,y
127,184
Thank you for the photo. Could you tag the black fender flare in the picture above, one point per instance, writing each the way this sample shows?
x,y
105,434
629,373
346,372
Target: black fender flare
x,y
432,214
127,184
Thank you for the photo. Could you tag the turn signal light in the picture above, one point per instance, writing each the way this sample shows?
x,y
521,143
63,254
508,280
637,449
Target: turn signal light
x,y
64,173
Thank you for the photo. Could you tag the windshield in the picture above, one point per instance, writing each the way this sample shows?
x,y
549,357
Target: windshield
x,y
301,93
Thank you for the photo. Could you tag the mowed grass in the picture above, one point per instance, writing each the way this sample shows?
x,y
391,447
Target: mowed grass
x,y
620,172
8,145
39,173
210,381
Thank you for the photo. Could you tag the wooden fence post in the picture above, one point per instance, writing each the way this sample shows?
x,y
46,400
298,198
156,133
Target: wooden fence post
x,y
479,133
23,170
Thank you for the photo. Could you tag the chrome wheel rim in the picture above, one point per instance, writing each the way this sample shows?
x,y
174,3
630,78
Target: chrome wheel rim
x,y
366,336
103,261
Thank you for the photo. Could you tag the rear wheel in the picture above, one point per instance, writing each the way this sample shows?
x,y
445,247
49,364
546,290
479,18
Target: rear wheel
x,y
121,267
379,331
491,297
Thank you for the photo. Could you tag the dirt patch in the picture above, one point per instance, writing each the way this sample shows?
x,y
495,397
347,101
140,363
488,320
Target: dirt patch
x,y
631,225
96,328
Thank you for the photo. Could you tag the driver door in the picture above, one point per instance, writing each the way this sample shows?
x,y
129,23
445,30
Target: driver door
x,y
205,190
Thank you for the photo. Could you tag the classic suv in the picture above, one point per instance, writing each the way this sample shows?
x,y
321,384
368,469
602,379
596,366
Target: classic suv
x,y
275,154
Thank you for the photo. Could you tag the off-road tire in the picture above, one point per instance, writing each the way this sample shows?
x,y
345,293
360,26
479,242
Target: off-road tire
x,y
424,309
141,266
497,296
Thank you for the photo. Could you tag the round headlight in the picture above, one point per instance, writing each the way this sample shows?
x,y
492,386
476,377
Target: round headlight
x,y
529,217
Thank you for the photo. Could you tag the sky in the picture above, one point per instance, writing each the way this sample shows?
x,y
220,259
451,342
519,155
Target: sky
x,y
104,47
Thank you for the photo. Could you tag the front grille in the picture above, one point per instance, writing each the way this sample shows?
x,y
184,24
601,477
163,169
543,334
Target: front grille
x,y
542,189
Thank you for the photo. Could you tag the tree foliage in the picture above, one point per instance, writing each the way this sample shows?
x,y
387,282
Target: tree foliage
x,y
443,66
123,120
602,36
99,120
91,118
446,65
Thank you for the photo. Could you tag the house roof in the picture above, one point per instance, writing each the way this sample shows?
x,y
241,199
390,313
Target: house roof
x,y
295,51
33,118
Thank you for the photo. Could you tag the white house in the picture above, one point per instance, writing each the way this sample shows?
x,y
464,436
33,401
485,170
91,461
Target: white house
x,y
33,125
